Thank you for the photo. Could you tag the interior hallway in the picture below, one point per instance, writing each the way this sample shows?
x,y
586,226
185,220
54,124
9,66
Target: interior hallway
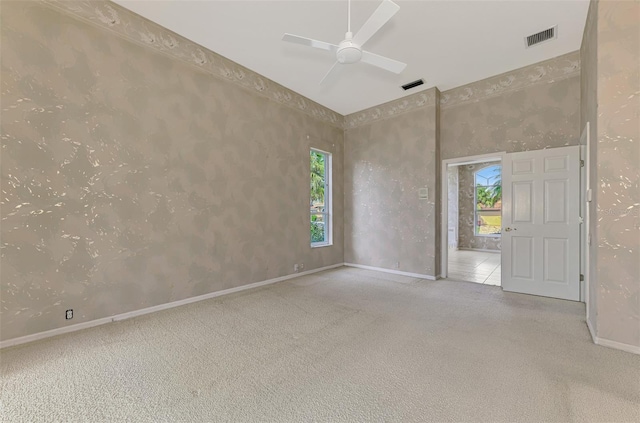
x,y
475,266
343,345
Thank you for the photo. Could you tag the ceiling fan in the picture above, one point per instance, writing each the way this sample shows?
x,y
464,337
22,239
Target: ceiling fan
x,y
350,49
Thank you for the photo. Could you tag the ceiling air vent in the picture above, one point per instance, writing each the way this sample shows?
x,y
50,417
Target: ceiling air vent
x,y
542,36
412,84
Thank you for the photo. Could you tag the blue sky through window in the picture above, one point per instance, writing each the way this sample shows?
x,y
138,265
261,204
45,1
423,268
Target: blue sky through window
x,y
489,175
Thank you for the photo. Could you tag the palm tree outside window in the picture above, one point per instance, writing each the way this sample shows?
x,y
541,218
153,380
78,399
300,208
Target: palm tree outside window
x,y
488,201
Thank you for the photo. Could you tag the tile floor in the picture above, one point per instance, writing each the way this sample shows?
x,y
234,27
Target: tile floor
x,y
475,266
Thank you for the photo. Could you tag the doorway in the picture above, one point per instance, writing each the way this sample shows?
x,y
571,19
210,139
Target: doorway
x,y
474,219
540,222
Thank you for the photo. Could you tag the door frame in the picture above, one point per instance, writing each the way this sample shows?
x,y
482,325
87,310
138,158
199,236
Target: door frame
x,y
444,201
585,200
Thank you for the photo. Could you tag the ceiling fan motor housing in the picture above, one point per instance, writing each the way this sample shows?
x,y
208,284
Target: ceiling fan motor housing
x,y
348,51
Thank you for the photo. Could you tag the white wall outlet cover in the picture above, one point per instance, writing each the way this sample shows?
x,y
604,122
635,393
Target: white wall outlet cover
x,y
423,193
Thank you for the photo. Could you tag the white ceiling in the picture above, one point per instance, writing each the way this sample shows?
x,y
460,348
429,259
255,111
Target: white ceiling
x,y
447,43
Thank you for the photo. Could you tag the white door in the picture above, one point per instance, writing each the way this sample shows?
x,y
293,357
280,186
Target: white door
x,y
541,222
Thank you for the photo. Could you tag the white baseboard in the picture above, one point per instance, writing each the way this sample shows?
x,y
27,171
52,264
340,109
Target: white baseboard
x,y
612,344
395,272
135,313
633,349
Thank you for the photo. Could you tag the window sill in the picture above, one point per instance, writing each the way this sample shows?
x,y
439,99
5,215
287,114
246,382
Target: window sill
x,y
321,244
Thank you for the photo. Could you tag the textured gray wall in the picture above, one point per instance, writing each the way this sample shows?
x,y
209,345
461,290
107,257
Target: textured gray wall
x,y
618,172
531,118
466,205
386,162
610,82
131,179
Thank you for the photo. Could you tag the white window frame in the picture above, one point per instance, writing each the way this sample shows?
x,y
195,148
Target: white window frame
x,y
475,203
328,203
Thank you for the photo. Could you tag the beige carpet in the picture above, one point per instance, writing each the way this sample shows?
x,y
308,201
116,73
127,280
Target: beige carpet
x,y
343,345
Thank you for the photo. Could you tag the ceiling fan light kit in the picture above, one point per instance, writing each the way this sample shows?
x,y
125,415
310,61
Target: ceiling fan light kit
x,y
350,50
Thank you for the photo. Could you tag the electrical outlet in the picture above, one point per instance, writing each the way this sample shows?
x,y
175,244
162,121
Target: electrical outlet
x,y
296,268
397,265
301,267
69,314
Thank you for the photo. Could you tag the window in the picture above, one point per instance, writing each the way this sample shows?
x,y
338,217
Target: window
x,y
320,198
488,200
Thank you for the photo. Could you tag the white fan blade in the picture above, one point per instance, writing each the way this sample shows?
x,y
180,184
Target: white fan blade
x,y
383,62
296,39
383,13
332,74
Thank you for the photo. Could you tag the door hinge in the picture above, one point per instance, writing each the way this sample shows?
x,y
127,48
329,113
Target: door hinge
x,y
581,163
581,277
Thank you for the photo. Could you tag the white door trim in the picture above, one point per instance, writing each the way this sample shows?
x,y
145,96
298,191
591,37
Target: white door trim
x,y
444,198
583,229
585,143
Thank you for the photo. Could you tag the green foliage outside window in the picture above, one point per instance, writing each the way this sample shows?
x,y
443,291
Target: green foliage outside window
x,y
317,230
317,177
317,198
